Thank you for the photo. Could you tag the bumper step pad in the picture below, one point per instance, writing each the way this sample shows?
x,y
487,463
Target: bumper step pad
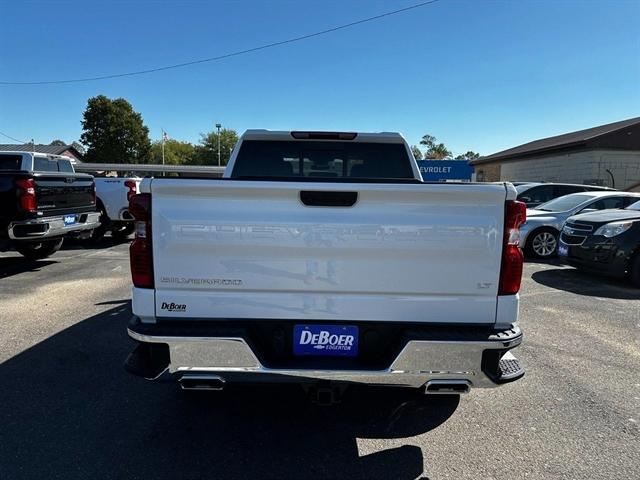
x,y
509,369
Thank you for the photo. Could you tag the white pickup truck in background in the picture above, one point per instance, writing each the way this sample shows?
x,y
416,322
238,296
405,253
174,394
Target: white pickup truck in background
x,y
112,197
323,259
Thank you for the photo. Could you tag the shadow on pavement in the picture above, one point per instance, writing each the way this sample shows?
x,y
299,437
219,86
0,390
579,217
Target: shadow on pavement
x,y
105,242
554,262
70,411
10,266
583,283
114,302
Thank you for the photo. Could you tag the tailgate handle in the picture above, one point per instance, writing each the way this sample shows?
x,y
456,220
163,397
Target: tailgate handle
x,y
328,199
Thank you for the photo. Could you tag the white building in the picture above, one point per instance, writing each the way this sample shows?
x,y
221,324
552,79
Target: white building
x,y
606,155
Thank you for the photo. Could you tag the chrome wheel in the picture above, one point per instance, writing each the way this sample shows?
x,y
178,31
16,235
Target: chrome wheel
x,y
544,244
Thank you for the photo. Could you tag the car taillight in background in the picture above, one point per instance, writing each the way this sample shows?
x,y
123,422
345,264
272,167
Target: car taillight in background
x,y
512,258
26,192
133,188
140,251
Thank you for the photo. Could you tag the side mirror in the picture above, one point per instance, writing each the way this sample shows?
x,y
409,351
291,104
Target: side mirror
x,y
588,210
525,199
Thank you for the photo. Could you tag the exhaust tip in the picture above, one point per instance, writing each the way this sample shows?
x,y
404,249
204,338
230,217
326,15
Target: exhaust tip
x,y
447,387
202,382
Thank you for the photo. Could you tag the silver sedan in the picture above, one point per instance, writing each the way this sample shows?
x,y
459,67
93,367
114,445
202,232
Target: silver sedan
x,y
539,234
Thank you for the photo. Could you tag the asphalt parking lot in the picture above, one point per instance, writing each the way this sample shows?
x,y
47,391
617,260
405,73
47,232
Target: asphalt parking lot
x,y
68,409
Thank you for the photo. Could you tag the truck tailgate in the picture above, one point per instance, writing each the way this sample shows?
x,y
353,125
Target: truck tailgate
x,y
59,193
402,252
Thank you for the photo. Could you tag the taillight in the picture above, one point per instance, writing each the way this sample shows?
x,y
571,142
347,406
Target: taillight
x,y
133,189
26,192
512,259
93,193
140,251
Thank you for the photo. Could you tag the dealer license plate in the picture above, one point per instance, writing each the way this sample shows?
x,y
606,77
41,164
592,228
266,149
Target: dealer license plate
x,y
325,340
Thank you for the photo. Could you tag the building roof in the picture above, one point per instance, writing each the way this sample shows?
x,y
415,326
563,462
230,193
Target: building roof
x,y
46,149
588,138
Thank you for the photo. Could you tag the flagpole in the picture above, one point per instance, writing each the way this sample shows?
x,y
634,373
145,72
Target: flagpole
x,y
162,146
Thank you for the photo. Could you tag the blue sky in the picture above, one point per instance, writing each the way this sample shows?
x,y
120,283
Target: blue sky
x,y
478,75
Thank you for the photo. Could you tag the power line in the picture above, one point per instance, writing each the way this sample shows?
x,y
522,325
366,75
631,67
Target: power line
x,y
14,139
231,54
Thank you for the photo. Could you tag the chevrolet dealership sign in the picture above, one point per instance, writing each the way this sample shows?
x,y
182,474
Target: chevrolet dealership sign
x,y
445,170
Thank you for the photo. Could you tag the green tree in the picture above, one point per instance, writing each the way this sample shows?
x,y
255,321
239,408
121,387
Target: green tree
x,y
175,152
470,155
114,133
428,141
417,153
435,150
207,151
58,143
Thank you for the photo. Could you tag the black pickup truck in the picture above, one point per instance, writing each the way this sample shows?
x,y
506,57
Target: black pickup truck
x,y
43,200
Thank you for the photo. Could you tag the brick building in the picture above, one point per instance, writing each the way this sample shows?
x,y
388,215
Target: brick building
x,y
607,155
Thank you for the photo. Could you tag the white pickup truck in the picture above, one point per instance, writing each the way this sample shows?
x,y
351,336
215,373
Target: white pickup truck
x,y
112,196
323,259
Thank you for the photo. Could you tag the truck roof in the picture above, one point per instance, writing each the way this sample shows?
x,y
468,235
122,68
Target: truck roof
x,y
371,137
36,154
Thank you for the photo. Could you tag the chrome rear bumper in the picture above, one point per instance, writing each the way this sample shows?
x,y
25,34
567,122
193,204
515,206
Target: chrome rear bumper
x,y
419,362
52,226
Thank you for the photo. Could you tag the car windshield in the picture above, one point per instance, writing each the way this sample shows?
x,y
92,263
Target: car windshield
x,y
634,206
562,204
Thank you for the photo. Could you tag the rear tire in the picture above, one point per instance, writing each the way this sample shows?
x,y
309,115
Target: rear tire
x,y
634,270
39,250
542,243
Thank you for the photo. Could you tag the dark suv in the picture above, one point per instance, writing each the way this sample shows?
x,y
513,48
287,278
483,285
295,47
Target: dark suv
x,y
534,194
606,242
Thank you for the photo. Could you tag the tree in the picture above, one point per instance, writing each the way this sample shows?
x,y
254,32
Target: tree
x,y
114,133
438,152
435,151
207,151
428,141
58,143
175,152
468,156
417,154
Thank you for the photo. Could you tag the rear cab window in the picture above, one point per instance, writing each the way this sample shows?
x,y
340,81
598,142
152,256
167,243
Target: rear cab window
x,y
308,160
65,166
10,162
44,164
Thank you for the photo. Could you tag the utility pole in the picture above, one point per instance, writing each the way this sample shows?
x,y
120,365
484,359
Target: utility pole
x,y
218,126
163,137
